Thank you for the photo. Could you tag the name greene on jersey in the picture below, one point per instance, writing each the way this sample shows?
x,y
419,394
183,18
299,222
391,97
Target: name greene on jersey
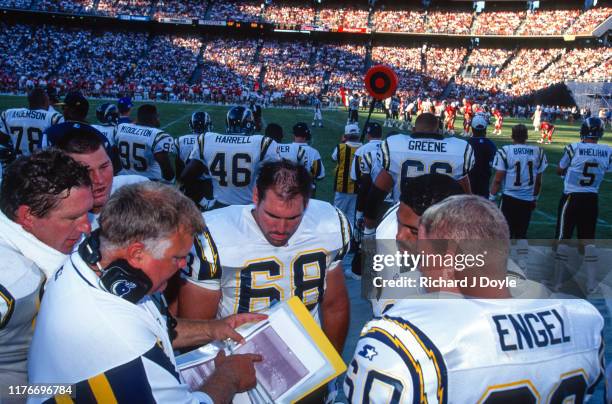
x,y
520,331
427,146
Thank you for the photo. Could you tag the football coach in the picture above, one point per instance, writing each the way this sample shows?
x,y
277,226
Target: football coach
x,y
104,327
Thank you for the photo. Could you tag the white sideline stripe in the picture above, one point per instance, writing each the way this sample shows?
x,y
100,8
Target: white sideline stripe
x,y
177,119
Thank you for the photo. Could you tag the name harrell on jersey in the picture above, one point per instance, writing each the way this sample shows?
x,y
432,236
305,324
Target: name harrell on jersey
x,y
586,164
478,351
233,162
522,163
26,126
407,156
137,146
253,278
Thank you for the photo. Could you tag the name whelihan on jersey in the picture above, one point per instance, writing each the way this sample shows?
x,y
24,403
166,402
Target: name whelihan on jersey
x,y
593,153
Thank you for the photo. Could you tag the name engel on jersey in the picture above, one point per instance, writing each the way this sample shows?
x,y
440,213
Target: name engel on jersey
x,y
137,147
478,351
410,156
233,162
234,256
26,126
586,164
522,163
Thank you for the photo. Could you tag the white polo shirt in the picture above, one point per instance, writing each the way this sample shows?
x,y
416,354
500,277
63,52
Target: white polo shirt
x,y
89,337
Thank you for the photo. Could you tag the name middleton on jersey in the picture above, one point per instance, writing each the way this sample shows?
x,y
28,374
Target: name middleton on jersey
x,y
137,131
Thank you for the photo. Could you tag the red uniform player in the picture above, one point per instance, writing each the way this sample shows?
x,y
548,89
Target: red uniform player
x,y
467,117
450,114
499,121
546,129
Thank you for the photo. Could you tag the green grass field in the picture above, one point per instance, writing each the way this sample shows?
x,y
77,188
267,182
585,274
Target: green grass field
x,y
174,119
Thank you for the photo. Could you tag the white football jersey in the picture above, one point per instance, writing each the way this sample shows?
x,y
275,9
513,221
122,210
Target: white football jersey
x,y
478,351
184,145
364,158
522,163
233,161
108,131
137,146
586,164
233,255
314,162
26,126
407,156
293,152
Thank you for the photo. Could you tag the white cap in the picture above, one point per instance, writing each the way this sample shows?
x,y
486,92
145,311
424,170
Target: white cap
x,y
479,122
351,129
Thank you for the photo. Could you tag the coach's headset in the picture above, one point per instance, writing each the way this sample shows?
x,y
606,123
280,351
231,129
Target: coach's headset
x,y
119,277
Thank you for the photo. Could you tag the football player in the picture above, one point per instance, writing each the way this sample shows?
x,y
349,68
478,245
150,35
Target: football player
x,y
144,149
499,121
519,169
108,116
318,117
450,114
537,119
23,127
583,165
475,348
295,152
353,109
231,160
199,123
302,137
546,130
424,151
467,117
284,245
345,188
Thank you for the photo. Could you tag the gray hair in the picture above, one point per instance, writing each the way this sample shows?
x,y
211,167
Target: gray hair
x,y
465,217
472,221
149,212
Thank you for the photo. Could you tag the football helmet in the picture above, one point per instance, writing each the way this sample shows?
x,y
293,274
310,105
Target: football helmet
x,y
200,122
592,128
107,113
240,120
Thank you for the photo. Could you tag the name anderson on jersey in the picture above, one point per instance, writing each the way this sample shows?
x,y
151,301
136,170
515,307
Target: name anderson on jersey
x,y
28,113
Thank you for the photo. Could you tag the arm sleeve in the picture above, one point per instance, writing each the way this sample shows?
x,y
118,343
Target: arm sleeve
x,y
203,264
500,162
334,155
150,377
566,159
542,162
197,153
269,150
163,143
